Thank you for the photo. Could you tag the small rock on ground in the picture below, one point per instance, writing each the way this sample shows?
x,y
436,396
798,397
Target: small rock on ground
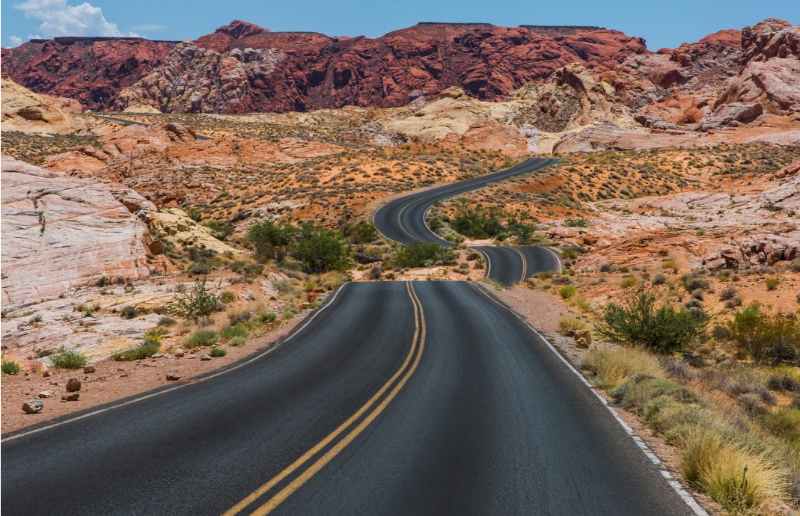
x,y
32,407
73,385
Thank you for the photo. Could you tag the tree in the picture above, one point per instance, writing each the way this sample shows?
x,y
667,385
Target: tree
x,y
320,249
270,240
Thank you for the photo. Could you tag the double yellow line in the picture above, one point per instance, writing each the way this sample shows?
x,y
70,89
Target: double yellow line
x,y
304,463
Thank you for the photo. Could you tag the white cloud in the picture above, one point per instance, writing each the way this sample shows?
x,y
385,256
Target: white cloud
x,y
59,18
15,41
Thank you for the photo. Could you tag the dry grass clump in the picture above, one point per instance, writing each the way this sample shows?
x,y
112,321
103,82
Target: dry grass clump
x,y
614,365
741,480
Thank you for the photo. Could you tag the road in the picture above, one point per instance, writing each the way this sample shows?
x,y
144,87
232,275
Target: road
x,y
403,220
394,398
436,400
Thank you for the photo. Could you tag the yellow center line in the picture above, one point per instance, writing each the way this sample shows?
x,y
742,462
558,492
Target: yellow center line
x,y
417,341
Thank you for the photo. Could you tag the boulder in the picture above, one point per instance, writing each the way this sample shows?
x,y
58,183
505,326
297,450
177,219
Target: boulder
x,y
32,406
732,114
73,385
72,396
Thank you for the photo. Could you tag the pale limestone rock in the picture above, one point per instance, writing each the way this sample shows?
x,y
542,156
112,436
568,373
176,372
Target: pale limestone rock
x,y
61,232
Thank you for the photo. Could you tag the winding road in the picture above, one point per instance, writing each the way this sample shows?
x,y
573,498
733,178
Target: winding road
x,y
403,220
394,398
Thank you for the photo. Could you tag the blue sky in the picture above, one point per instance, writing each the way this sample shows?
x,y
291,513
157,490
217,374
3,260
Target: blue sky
x,y
665,23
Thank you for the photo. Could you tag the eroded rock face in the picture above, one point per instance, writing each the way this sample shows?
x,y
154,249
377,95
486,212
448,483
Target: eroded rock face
x,y
90,70
318,71
195,79
29,112
770,75
61,232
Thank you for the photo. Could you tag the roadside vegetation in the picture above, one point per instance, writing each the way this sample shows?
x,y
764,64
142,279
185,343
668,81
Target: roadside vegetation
x,y
736,426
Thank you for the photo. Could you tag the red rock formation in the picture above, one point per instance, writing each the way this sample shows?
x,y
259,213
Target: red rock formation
x,y
320,71
91,70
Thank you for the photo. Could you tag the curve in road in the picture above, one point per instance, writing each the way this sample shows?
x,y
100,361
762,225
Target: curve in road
x,y
404,220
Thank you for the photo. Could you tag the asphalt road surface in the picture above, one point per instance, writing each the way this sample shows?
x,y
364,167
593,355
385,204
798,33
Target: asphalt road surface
x,y
420,398
403,220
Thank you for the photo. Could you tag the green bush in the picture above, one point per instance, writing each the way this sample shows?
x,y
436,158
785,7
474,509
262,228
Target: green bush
x,y
319,249
220,229
217,352
202,338
767,338
10,367
784,423
238,341
476,222
361,232
235,330
422,254
151,346
198,303
227,297
567,291
773,282
662,329
68,359
270,240
576,223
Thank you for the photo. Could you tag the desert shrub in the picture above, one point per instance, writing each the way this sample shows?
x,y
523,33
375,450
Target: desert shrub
x,y
238,341
202,338
570,326
767,338
784,381
662,329
319,249
641,390
220,229
784,423
773,282
476,222
576,223
227,297
628,282
198,303
10,367
266,317
694,281
422,254
361,232
270,240
522,232
612,366
567,291
246,269
235,330
150,346
128,312
659,279
217,352
727,294
68,359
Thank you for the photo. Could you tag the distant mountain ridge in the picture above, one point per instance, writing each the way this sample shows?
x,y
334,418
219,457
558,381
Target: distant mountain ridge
x,y
242,67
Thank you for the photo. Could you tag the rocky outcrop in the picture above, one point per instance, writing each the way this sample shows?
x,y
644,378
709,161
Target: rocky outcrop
x,y
90,70
61,232
770,75
29,112
318,71
195,79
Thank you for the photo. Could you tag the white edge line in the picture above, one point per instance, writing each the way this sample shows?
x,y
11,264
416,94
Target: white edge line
x,y
524,264
264,353
676,486
556,256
